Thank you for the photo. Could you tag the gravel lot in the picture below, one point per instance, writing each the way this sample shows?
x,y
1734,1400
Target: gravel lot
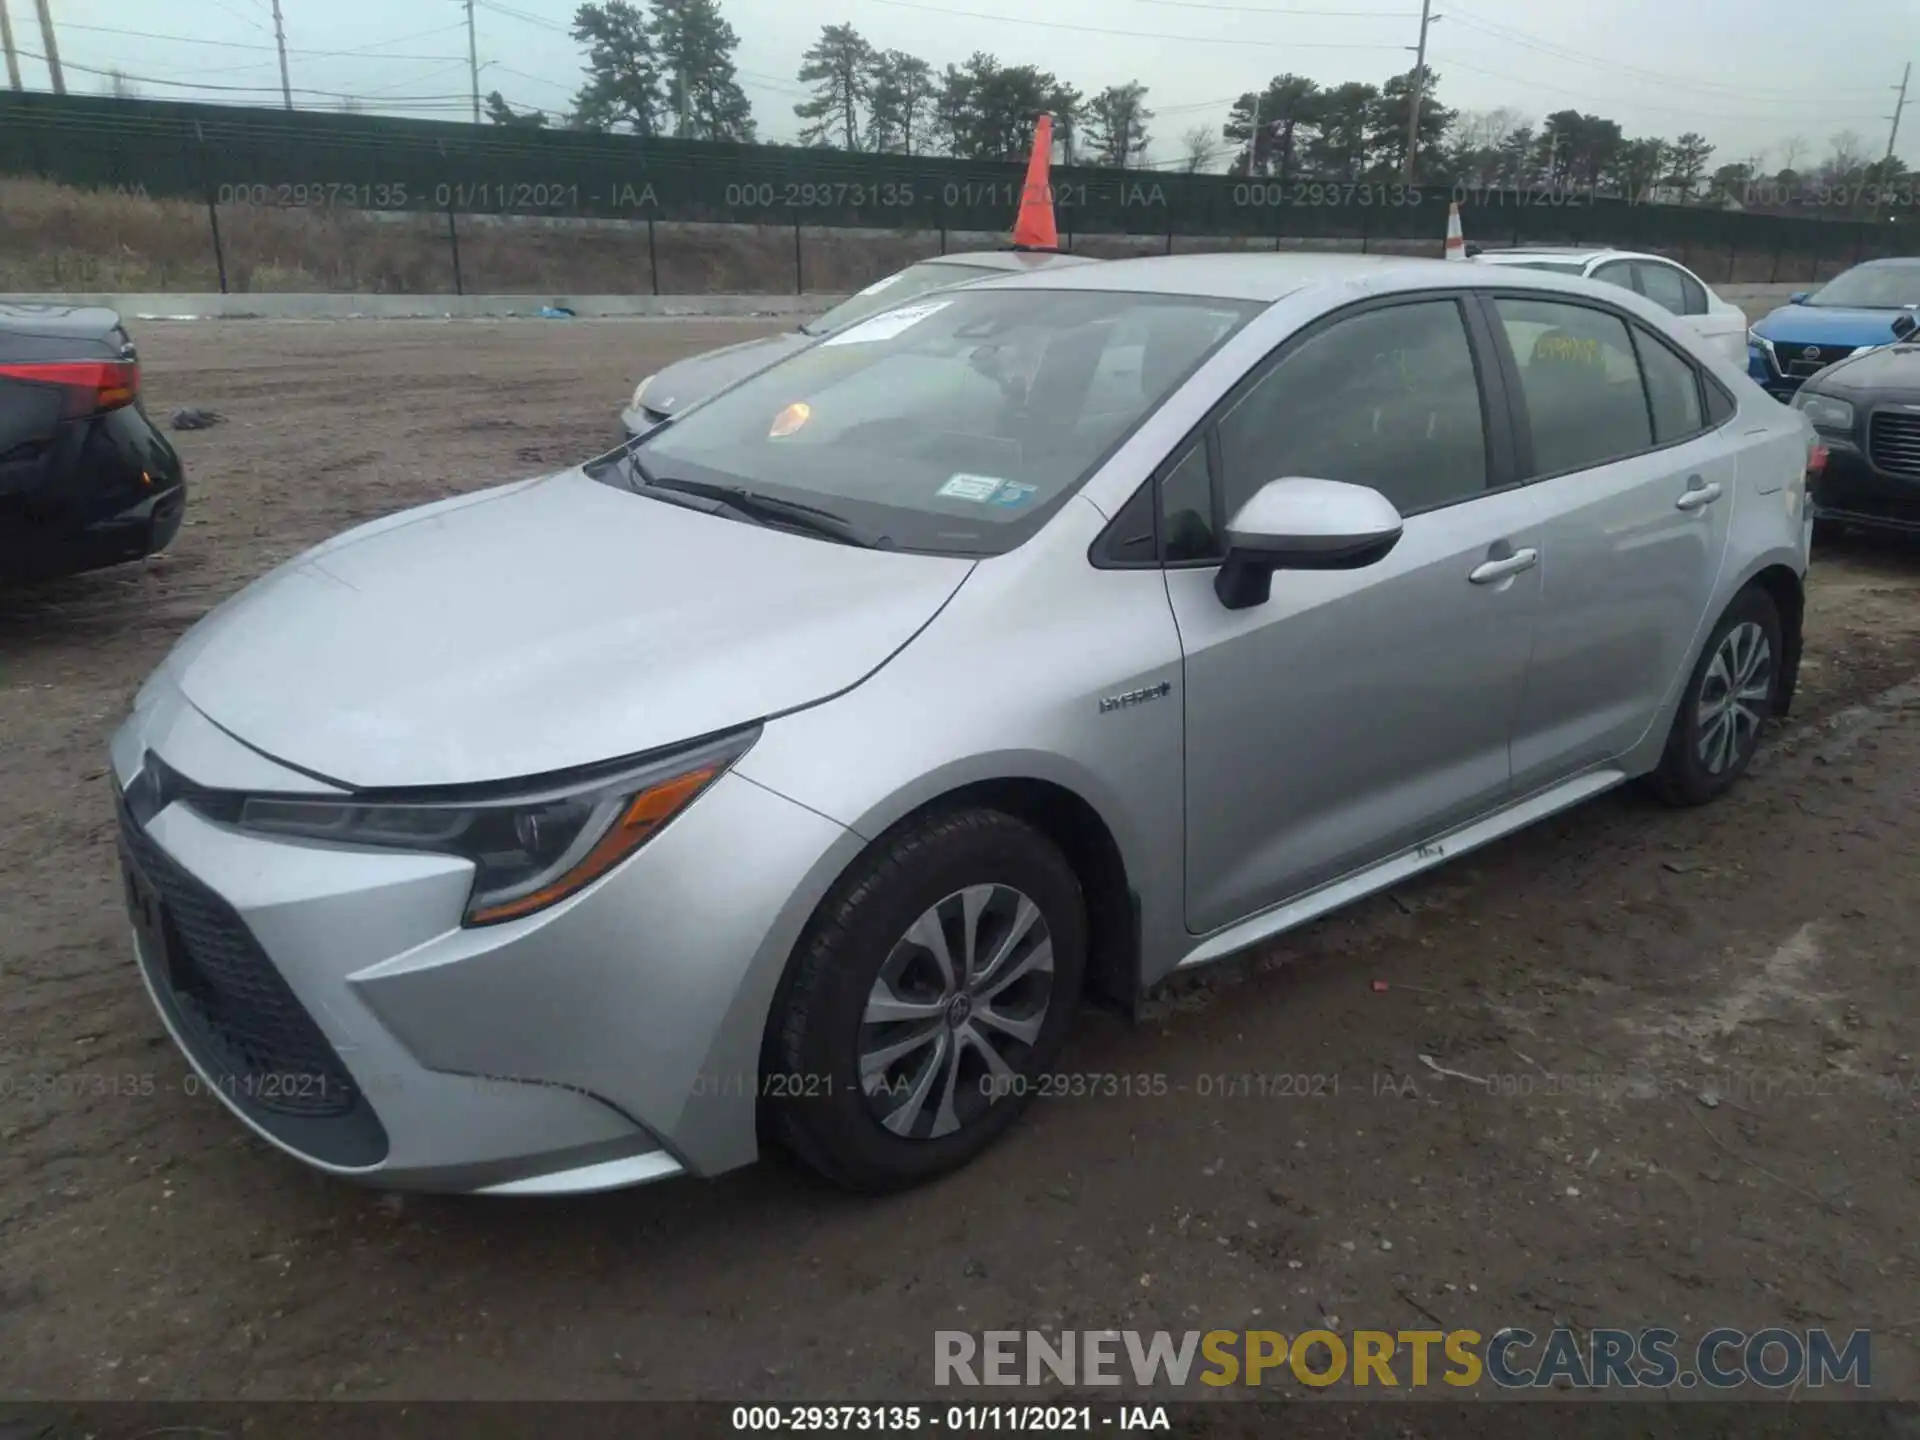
x,y
1695,1032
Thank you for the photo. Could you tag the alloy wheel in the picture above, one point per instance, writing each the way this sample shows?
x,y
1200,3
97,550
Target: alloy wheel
x,y
1734,696
957,1006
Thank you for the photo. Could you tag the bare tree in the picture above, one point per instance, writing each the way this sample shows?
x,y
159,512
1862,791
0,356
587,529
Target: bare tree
x,y
1849,154
1792,149
119,86
1196,149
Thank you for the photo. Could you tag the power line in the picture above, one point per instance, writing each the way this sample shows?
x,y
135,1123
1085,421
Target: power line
x,y
1606,100
1528,41
523,16
1238,42
368,52
244,19
1279,10
235,89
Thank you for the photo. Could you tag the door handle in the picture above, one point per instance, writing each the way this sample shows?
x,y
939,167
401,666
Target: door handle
x,y
1698,496
1513,564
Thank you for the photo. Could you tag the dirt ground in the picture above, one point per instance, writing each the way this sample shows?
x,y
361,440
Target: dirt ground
x,y
1695,1096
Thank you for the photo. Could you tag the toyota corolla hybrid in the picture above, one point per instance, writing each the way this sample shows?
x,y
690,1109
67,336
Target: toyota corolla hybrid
x,y
787,776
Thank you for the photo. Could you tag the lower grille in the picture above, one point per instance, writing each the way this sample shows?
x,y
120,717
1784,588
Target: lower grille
x,y
243,1024
1893,442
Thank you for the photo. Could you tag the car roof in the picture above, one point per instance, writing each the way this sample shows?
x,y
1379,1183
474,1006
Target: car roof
x,y
1888,262
1252,275
1014,260
1581,253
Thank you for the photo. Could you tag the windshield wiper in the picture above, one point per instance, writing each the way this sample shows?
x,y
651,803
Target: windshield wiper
x,y
772,509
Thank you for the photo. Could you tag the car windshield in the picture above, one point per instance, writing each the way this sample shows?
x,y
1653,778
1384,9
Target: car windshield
x,y
955,424
896,289
1871,287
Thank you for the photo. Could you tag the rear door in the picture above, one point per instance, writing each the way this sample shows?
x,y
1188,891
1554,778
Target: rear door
x,y
1636,490
1678,290
1356,712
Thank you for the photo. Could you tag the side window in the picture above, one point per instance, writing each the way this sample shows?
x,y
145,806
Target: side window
x,y
1186,509
1616,272
1661,284
1673,390
1696,294
1388,398
1581,383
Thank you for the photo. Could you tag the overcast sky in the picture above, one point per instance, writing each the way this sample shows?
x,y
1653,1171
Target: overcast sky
x,y
1747,75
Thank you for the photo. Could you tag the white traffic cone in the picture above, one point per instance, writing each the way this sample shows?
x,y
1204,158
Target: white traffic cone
x,y
1456,238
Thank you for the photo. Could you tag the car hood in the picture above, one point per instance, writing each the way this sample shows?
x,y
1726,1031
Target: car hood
x,y
687,381
1820,325
543,626
1893,370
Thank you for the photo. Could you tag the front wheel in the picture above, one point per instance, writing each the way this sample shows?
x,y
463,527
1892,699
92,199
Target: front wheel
x,y
940,978
1727,703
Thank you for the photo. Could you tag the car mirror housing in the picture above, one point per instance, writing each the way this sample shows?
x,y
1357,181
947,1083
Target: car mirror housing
x,y
1302,524
1904,326
1798,297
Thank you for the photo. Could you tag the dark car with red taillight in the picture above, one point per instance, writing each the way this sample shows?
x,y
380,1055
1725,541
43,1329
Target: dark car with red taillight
x,y
86,479
1866,411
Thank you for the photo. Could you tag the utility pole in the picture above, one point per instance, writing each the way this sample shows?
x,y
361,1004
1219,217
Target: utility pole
x,y
473,62
280,39
49,46
1893,134
6,40
1427,17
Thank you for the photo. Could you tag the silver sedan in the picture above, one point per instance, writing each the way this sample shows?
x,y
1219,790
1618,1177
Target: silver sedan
x,y
791,774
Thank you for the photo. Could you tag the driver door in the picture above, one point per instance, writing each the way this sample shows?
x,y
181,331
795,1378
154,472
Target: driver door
x,y
1356,712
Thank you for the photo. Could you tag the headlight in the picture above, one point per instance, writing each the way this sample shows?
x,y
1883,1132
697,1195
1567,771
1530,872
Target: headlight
x,y
1824,411
1766,346
529,849
639,390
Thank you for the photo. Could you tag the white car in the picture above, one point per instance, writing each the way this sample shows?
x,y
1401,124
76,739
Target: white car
x,y
1670,286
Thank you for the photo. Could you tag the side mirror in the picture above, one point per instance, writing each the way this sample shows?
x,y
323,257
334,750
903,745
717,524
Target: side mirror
x,y
1300,524
1798,297
1904,325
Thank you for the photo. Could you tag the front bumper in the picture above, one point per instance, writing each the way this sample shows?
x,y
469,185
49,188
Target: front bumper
x,y
330,997
1854,491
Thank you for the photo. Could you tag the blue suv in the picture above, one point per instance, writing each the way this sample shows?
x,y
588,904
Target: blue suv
x,y
1851,312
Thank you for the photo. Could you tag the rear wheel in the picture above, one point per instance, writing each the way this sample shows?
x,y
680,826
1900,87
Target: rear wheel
x,y
940,978
1727,703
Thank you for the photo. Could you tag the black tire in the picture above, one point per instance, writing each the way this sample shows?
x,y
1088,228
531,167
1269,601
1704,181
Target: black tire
x,y
816,1102
1684,777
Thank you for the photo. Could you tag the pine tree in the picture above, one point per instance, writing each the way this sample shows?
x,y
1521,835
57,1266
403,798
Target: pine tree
x,y
623,71
839,65
1117,125
694,45
900,98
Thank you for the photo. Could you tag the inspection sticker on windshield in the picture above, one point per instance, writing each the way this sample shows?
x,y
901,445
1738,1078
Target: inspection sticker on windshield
x,y
970,487
887,324
1011,494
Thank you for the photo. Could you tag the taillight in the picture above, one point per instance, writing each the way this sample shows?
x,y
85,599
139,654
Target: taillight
x,y
1816,462
89,386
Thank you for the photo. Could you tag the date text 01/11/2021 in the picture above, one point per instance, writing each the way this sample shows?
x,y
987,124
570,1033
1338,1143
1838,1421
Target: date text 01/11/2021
x,y
949,1419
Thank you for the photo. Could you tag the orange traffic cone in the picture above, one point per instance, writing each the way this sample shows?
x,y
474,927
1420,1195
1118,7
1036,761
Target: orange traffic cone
x,y
1033,228
1456,238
